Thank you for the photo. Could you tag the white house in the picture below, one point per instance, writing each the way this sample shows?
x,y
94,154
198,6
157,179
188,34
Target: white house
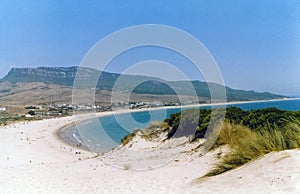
x,y
2,109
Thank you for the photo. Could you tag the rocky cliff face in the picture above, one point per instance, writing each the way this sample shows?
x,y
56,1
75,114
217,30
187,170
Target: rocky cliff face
x,y
54,75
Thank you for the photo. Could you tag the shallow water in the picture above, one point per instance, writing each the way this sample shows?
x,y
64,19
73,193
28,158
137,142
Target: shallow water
x,y
104,133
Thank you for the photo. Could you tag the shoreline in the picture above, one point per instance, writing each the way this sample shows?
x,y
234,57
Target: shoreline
x,y
60,133
34,160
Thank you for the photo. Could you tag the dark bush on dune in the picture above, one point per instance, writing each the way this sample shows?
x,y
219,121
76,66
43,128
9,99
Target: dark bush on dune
x,y
195,122
248,133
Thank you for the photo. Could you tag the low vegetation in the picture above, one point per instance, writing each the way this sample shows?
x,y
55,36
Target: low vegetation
x,y
128,137
195,122
6,119
154,130
150,132
249,134
247,145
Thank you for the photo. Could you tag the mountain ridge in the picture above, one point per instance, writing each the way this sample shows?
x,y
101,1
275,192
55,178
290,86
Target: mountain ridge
x,y
65,76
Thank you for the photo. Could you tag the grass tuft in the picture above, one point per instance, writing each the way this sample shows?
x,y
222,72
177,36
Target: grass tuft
x,y
247,145
129,137
150,132
154,130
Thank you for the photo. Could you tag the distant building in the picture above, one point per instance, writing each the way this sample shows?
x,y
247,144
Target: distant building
x,y
2,109
28,116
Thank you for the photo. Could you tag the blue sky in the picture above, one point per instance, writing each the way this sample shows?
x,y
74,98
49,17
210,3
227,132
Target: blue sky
x,y
255,43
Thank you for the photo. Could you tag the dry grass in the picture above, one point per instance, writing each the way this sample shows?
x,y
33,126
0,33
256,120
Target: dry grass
x,y
154,130
127,167
129,137
247,145
151,132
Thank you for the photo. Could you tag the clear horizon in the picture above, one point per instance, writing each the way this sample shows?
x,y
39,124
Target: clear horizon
x,y
256,44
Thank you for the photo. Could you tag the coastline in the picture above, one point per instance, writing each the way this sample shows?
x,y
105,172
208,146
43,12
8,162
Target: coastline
x,y
33,160
79,118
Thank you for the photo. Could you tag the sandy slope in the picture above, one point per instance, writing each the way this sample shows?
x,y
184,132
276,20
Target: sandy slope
x,y
276,172
33,160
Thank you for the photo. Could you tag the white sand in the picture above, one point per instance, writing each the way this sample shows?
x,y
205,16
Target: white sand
x,y
277,172
33,160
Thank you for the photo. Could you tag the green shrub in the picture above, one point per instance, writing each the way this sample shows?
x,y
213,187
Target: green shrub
x,y
196,122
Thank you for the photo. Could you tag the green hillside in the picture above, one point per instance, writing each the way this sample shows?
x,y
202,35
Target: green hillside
x,y
142,85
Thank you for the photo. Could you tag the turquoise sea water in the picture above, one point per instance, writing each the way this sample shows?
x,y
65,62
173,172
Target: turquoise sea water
x,y
104,133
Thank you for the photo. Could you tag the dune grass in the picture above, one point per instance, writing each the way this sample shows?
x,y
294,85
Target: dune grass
x,y
129,137
152,131
247,145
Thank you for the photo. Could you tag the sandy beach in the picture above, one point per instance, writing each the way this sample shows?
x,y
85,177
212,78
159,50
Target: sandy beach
x,y
34,160
149,97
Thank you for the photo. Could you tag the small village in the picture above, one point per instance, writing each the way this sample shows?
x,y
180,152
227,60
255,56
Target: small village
x,y
51,110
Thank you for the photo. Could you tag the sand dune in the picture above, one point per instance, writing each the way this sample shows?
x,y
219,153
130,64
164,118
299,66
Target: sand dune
x,y
33,160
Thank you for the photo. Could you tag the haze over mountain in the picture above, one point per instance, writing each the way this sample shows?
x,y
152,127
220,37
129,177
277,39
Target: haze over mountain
x,y
64,77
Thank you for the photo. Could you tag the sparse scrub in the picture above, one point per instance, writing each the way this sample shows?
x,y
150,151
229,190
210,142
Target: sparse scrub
x,y
149,133
247,145
153,130
127,167
154,126
248,134
196,122
129,137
